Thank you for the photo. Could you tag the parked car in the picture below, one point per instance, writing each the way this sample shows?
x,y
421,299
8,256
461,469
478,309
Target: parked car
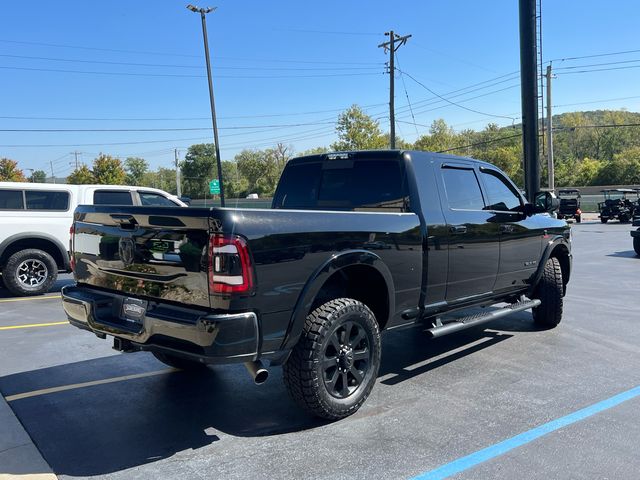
x,y
34,227
619,203
378,240
569,204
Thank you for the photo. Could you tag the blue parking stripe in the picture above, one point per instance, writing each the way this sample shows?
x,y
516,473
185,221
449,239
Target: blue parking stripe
x,y
464,463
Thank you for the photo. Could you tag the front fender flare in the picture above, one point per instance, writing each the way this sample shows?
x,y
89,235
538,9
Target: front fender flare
x,y
549,248
311,289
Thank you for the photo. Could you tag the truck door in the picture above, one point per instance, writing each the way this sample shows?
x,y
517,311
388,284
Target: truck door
x,y
520,238
474,246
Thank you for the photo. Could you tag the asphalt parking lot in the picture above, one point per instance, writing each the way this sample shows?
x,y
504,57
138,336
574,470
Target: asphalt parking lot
x,y
486,403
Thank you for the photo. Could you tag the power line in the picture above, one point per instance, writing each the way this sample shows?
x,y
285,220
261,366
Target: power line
x,y
180,75
596,101
454,103
607,54
404,86
572,67
599,70
198,67
486,142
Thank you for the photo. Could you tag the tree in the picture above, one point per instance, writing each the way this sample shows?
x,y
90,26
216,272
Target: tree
x,y
358,131
198,169
81,176
315,151
108,170
441,137
235,185
9,171
135,168
260,169
39,176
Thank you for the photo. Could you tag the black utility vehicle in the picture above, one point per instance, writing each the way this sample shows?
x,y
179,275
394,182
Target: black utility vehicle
x,y
569,204
355,243
636,235
619,203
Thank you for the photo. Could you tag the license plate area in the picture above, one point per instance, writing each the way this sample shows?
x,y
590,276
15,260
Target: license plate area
x,y
133,310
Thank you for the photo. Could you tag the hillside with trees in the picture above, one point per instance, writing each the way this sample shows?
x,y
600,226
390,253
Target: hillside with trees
x,y
599,147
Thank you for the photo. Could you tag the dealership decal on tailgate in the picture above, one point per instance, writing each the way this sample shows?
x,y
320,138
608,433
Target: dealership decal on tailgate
x,y
134,309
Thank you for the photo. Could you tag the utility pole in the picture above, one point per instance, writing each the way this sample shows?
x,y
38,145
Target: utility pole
x,y
550,165
178,186
53,177
529,94
75,154
394,43
203,12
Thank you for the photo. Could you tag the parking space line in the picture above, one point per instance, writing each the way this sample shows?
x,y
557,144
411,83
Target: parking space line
x,y
33,325
26,299
481,456
74,386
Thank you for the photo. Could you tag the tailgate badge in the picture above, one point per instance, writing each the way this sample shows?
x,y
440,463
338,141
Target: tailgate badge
x,y
126,249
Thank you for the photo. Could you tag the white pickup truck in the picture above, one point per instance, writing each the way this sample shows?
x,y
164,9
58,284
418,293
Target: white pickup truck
x,y
34,227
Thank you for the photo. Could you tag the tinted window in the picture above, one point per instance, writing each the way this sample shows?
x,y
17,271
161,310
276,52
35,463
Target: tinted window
x,y
43,200
462,189
148,198
501,196
343,185
112,197
11,200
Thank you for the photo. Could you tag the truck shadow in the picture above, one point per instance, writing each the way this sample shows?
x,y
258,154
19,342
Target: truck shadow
x,y
624,254
104,428
4,293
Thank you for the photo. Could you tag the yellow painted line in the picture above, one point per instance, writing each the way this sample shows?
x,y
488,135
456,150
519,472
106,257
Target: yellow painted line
x,y
26,299
33,325
74,386
28,476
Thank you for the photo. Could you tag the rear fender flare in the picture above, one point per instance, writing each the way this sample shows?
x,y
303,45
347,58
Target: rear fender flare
x,y
313,286
36,236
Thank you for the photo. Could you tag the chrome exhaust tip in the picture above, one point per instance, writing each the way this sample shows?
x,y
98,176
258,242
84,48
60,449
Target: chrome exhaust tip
x,y
257,372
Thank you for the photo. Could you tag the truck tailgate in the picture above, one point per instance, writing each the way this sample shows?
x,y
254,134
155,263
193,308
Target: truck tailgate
x,y
151,252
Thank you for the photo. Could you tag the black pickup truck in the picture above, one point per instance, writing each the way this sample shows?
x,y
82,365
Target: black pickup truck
x,y
354,243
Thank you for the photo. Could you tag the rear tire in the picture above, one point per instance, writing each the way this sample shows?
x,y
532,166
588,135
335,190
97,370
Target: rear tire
x,y
578,218
636,245
550,291
30,272
603,220
334,365
179,362
624,218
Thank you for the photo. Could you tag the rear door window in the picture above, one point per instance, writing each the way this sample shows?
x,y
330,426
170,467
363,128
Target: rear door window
x,y
112,197
462,189
11,200
46,200
501,196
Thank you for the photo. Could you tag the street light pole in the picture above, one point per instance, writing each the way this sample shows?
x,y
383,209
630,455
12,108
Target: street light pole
x,y
203,12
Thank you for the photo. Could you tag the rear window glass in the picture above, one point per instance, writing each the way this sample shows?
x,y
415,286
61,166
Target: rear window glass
x,y
148,198
343,185
11,200
43,200
112,197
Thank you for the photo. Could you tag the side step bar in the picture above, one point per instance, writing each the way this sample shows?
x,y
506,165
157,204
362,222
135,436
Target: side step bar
x,y
480,318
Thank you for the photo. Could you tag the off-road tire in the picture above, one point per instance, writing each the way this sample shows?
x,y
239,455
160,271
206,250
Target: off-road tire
x,y
624,218
304,373
603,220
636,245
578,218
10,272
179,362
549,291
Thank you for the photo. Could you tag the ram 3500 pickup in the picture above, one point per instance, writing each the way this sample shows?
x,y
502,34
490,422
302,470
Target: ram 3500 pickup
x,y
355,243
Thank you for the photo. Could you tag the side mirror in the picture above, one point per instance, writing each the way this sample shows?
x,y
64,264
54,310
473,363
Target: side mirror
x,y
545,202
185,199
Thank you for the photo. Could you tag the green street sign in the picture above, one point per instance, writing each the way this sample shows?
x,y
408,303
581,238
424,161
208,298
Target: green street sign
x,y
214,187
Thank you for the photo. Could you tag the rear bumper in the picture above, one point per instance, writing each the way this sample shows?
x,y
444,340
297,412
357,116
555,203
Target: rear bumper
x,y
190,333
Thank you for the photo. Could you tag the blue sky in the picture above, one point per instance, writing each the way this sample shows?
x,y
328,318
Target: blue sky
x,y
284,68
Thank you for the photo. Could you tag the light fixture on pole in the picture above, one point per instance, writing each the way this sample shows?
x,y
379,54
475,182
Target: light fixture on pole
x,y
203,12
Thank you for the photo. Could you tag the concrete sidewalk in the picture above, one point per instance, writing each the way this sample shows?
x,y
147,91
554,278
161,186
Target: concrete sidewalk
x,y
19,457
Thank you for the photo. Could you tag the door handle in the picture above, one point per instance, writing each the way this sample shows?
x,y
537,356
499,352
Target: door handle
x,y
506,228
458,229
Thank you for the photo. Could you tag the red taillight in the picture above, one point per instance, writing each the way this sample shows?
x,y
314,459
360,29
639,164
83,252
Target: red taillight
x,y
229,264
72,260
579,212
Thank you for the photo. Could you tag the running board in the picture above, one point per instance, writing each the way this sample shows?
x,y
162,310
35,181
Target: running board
x,y
480,318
